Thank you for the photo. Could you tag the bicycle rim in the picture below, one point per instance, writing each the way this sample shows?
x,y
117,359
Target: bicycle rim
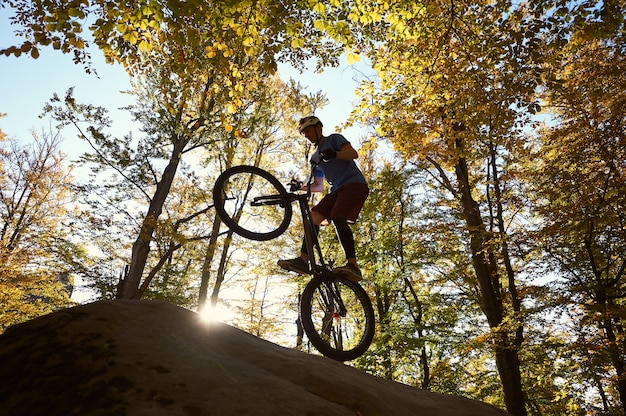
x,y
335,334
233,192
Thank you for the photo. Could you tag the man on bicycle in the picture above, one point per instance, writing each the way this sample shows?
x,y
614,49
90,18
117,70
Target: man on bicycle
x,y
343,204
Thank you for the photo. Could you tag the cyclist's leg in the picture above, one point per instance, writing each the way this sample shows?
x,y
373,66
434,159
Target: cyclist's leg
x,y
351,270
346,238
350,201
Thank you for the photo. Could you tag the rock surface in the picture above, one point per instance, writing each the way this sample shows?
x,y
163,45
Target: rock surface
x,y
154,358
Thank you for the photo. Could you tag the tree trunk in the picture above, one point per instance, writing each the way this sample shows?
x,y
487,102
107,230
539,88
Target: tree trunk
x,y
299,330
383,305
606,325
206,265
221,270
418,319
129,286
507,360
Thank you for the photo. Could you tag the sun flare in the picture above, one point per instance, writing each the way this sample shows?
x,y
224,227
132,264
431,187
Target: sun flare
x,y
217,313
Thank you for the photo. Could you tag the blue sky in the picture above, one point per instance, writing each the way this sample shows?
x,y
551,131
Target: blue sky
x,y
30,83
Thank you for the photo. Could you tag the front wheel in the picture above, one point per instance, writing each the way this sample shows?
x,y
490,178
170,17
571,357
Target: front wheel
x,y
234,193
338,317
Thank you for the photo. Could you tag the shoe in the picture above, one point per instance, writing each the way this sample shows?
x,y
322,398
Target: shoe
x,y
297,265
350,271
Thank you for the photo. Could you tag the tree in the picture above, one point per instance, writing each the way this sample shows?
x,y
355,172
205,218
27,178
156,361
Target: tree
x,y
580,195
38,258
179,117
456,83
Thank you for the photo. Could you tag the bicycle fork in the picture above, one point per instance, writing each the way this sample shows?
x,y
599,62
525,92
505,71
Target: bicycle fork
x,y
334,311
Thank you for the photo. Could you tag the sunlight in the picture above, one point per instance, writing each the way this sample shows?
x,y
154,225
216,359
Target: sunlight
x,y
217,313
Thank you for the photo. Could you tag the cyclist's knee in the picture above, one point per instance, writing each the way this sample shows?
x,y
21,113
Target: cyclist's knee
x,y
317,218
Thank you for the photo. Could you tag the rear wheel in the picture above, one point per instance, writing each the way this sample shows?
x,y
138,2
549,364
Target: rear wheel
x,y
233,195
338,317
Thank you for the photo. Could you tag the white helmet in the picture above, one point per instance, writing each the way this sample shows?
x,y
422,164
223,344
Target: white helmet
x,y
309,121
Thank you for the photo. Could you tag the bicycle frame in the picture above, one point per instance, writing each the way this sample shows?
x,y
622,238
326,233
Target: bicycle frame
x,y
319,268
313,248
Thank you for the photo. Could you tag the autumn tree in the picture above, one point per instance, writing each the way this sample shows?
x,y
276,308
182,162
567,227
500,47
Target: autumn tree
x,y
456,84
388,251
38,257
126,170
580,195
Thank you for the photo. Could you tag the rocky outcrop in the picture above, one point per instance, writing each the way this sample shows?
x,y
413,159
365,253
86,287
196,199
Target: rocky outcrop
x,y
154,358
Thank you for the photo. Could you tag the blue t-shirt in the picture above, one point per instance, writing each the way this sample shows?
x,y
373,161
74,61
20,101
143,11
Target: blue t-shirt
x,y
338,172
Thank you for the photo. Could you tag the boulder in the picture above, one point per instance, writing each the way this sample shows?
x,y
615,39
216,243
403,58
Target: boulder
x,y
153,358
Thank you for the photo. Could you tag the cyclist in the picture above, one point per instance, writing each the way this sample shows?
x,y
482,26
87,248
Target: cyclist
x,y
343,204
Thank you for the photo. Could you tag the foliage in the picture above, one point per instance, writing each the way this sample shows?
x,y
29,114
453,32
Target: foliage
x,y
579,191
38,257
223,31
455,88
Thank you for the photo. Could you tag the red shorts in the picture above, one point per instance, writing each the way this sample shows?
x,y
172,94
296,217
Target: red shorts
x,y
345,204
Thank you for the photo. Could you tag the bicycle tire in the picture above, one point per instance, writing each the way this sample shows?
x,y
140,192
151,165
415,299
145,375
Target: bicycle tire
x,y
233,192
342,338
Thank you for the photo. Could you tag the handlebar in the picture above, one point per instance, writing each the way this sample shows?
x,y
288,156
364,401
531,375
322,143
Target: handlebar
x,y
296,185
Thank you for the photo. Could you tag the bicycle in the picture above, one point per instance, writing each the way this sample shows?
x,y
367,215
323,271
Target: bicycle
x,y
336,313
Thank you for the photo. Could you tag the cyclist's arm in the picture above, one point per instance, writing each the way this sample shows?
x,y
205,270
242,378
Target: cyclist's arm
x,y
317,185
347,152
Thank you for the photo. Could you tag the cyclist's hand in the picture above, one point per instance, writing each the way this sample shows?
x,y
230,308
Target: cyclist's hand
x,y
328,154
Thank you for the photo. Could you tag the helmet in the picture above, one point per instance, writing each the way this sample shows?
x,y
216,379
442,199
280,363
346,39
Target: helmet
x,y
308,121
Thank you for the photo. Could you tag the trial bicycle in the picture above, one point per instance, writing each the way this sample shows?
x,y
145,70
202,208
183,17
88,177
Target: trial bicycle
x,y
336,313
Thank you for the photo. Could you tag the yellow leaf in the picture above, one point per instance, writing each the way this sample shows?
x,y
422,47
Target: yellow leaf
x,y
144,46
319,25
319,7
353,57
